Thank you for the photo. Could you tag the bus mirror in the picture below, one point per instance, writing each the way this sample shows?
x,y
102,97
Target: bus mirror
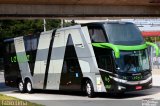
x,y
155,46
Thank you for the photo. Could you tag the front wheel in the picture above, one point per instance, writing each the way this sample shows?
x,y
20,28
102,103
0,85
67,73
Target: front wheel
x,y
89,89
21,86
29,88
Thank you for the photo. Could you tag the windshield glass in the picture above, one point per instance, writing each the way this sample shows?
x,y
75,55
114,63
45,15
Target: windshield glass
x,y
133,62
123,34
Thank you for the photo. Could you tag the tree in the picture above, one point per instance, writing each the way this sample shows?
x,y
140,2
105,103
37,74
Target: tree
x,y
13,28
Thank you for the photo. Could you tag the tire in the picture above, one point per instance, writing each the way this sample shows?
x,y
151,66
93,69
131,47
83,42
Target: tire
x,y
29,88
89,89
21,86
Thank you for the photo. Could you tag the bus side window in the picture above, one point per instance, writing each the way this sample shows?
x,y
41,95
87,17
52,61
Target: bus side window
x,y
105,63
64,70
31,43
12,50
34,43
71,66
27,44
97,34
7,48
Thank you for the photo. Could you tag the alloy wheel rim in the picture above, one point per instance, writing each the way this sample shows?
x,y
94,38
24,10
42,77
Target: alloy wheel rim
x,y
88,88
29,86
21,86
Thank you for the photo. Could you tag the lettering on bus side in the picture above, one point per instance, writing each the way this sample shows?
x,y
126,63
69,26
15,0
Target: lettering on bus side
x,y
21,58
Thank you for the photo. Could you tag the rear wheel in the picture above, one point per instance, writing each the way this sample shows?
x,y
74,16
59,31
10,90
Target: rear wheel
x,y
21,86
29,88
89,89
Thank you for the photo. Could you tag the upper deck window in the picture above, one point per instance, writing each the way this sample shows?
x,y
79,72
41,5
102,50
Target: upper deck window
x,y
31,43
96,34
9,47
123,34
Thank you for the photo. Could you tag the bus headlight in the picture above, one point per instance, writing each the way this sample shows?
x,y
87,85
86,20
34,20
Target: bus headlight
x,y
99,84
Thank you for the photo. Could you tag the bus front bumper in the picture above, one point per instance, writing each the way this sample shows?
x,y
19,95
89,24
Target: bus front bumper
x,y
124,85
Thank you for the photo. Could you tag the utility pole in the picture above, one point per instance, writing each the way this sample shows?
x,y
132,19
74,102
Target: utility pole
x,y
44,25
62,23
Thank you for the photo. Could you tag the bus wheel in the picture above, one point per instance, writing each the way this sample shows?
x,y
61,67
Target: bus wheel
x,y
21,86
29,86
89,89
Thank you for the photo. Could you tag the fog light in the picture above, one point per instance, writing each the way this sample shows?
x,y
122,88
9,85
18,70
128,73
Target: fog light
x,y
121,87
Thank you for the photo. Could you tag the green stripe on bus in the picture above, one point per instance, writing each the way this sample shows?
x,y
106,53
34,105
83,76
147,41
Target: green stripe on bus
x,y
155,46
117,48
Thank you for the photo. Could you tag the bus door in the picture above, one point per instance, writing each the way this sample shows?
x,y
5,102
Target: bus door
x,y
106,63
71,75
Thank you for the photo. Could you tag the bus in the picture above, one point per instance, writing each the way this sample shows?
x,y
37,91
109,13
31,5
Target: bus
x,y
95,57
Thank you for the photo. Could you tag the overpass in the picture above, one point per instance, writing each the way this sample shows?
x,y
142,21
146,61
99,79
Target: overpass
x,y
79,8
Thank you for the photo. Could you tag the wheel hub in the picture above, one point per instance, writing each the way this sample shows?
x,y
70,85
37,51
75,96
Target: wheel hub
x,y
21,86
29,86
88,88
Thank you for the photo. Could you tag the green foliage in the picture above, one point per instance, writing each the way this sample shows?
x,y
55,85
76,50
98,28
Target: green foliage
x,y
67,24
13,28
50,24
6,100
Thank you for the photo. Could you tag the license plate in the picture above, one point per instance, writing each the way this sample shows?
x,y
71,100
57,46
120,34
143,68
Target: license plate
x,y
138,87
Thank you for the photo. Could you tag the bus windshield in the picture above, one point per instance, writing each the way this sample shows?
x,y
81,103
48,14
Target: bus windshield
x,y
133,61
123,34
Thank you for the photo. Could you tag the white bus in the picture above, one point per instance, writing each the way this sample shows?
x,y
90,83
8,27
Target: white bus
x,y
94,57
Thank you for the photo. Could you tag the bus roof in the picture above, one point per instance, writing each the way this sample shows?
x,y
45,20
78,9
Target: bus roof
x,y
8,40
107,22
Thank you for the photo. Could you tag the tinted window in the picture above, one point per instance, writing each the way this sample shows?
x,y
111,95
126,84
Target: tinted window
x,y
104,58
70,52
64,70
133,61
105,62
7,48
34,43
96,34
27,43
31,43
71,66
12,47
69,41
123,33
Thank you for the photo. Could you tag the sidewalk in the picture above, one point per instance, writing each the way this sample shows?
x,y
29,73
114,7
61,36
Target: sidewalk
x,y
156,77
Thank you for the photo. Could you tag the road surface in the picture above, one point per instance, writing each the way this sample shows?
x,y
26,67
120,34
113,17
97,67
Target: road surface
x,y
49,98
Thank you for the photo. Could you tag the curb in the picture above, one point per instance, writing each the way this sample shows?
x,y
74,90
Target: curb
x,y
155,86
